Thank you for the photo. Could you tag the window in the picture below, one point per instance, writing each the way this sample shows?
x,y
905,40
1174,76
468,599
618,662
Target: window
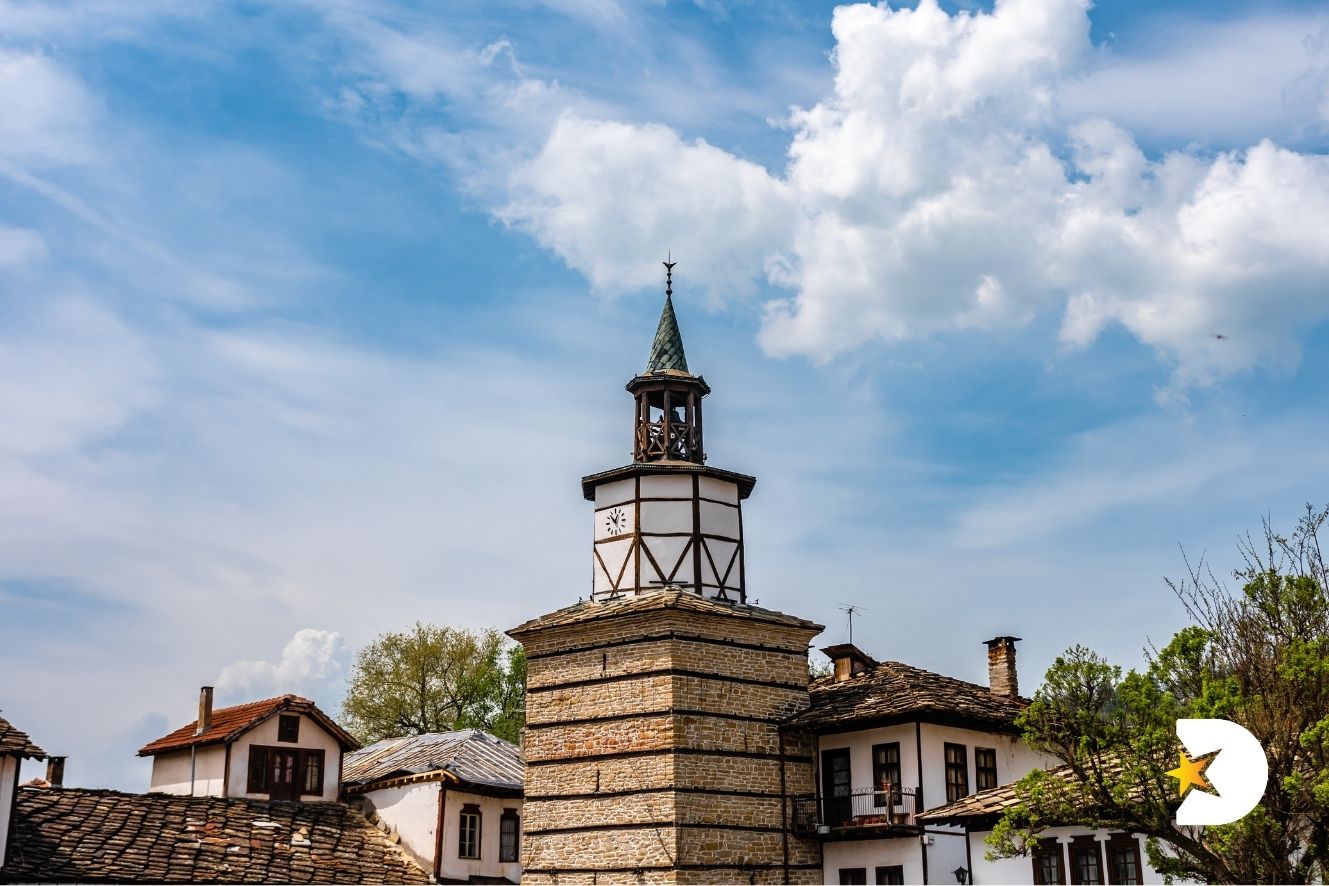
x,y
468,834
1048,864
891,875
854,875
288,728
957,772
258,770
509,836
886,773
985,768
1124,859
1086,861
311,763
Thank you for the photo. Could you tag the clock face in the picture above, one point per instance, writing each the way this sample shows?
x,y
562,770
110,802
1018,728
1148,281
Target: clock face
x,y
616,521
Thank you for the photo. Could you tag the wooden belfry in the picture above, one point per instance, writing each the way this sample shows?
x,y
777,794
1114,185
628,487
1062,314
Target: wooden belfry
x,y
668,397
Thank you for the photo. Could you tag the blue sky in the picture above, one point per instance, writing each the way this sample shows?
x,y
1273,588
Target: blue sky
x,y
313,315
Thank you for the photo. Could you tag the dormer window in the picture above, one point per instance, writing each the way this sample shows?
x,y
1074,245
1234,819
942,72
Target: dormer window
x,y
288,728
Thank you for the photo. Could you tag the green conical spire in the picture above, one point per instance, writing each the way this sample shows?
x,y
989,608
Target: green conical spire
x,y
667,349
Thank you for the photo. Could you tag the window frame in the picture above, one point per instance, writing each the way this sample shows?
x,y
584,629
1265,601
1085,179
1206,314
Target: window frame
x,y
509,816
956,790
470,810
256,781
884,768
1123,842
1049,847
883,875
853,876
980,770
1080,844
303,756
288,724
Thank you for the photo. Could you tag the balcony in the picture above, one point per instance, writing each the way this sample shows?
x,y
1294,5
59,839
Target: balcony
x,y
864,812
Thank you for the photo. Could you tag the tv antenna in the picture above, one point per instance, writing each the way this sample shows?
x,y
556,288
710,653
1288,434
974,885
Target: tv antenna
x,y
851,610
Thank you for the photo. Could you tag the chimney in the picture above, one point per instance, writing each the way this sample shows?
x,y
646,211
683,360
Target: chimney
x,y
204,710
55,771
1002,679
849,661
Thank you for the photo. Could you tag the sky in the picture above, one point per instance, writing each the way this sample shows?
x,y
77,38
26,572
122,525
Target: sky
x,y
312,316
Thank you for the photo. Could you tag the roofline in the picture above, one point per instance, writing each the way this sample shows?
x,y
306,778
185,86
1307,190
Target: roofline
x,y
932,718
492,790
344,738
744,482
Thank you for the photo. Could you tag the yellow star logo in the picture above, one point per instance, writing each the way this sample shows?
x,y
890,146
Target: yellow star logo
x,y
1189,773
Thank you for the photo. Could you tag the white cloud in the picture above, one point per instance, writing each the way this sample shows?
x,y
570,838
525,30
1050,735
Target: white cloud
x,y
311,661
944,186
45,113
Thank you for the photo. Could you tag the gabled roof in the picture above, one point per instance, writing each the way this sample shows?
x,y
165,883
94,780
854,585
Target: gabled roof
x,y
665,598
667,348
74,835
470,756
893,692
15,742
229,723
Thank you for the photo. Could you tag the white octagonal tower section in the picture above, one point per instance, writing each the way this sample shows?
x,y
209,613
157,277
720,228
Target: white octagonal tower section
x,y
658,529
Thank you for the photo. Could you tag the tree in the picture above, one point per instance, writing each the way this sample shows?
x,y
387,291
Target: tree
x,y
436,679
1260,658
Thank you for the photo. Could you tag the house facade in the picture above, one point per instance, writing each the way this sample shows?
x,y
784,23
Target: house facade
x,y
281,748
15,747
453,799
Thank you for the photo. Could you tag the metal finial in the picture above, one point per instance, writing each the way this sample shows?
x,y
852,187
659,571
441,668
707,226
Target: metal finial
x,y
669,273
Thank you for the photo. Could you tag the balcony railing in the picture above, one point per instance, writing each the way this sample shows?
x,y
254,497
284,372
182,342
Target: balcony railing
x,y
860,809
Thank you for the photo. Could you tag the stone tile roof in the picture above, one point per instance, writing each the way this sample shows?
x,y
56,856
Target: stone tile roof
x,y
896,692
15,742
667,348
76,835
472,756
990,804
665,598
229,723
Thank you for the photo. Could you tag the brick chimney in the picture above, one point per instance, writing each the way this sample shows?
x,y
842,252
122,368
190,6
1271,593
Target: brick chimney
x,y
204,710
849,661
1002,678
55,771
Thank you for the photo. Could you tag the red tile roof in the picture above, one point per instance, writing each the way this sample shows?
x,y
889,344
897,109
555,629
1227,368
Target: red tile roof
x,y
229,723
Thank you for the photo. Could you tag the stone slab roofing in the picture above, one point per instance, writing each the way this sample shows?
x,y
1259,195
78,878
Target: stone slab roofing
x,y
665,598
229,723
15,742
469,756
893,692
989,805
101,836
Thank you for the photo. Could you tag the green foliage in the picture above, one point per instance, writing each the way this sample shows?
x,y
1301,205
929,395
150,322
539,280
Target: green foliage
x,y
436,679
1259,658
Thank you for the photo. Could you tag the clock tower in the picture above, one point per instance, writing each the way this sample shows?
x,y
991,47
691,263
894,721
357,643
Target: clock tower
x,y
668,518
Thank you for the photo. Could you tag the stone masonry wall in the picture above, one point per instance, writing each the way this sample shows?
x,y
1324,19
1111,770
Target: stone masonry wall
x,y
653,753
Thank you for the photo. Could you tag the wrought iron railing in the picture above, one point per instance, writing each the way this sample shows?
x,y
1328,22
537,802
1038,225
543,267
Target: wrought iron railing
x,y
860,808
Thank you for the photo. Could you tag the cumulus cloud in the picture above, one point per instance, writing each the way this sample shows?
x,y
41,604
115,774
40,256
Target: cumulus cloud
x,y
944,185
310,661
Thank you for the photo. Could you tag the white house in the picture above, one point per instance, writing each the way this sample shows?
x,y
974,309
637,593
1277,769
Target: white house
x,y
281,748
15,746
1061,855
894,741
453,798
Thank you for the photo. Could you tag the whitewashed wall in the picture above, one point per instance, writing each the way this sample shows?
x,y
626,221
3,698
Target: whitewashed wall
x,y
312,735
170,772
411,810
491,809
9,767
1020,869
870,854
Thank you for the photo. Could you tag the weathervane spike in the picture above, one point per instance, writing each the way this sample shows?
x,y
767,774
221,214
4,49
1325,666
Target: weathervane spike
x,y
669,273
